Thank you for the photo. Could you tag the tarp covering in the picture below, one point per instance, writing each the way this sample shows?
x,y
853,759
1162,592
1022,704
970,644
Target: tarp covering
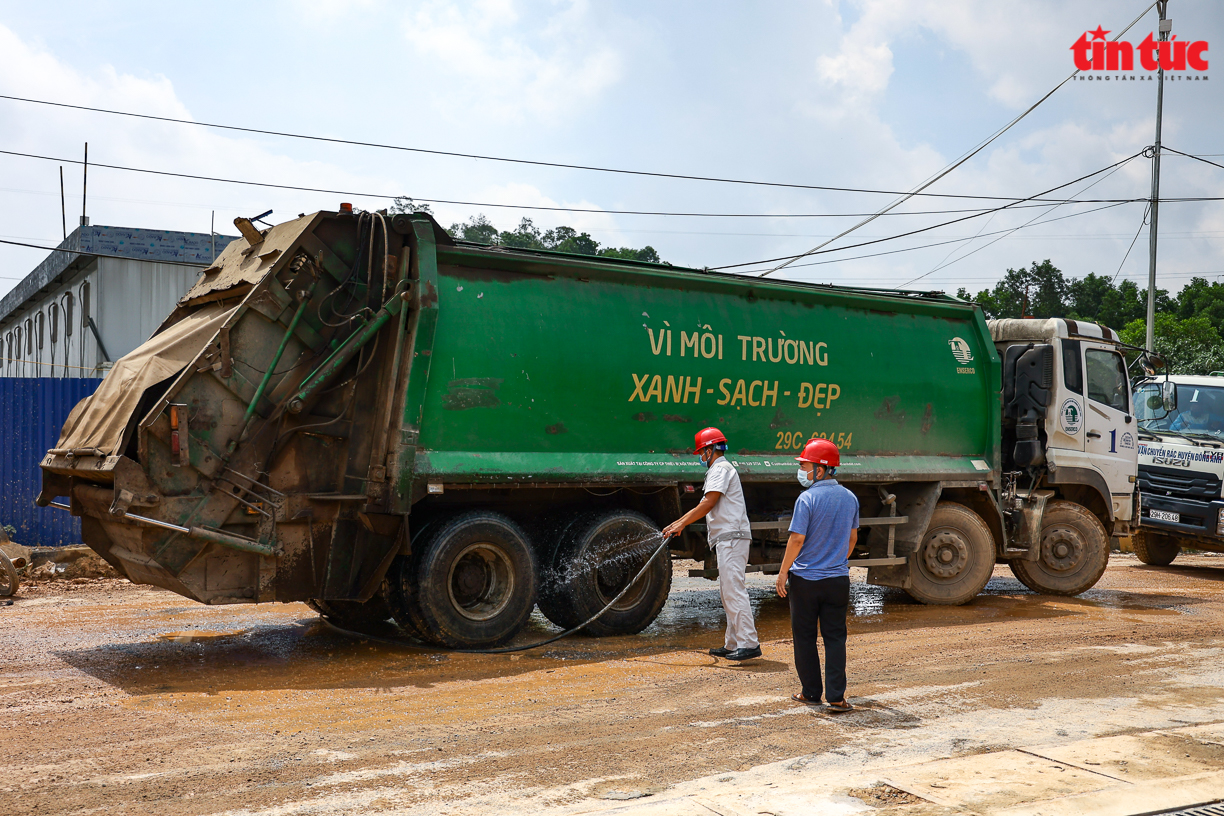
x,y
98,422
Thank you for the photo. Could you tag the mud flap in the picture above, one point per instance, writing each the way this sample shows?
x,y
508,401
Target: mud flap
x,y
917,501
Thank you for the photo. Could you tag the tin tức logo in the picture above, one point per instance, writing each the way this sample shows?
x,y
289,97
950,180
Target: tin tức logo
x,y
1092,52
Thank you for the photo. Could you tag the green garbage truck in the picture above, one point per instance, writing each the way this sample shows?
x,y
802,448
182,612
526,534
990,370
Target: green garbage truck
x,y
357,411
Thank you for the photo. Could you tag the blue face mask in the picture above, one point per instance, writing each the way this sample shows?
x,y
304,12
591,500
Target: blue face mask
x,y
804,479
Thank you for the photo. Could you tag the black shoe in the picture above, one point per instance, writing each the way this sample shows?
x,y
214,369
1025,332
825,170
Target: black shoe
x,y
720,651
745,654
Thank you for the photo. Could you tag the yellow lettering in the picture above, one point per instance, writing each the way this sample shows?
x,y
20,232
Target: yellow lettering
x,y
834,393
656,389
741,394
675,385
713,345
685,343
766,394
822,357
805,395
744,342
758,348
751,401
819,396
778,358
656,347
722,386
669,342
720,346
695,390
805,352
637,387
791,351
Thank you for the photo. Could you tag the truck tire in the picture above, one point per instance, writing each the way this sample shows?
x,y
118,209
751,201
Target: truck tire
x,y
1074,552
475,582
1156,549
356,614
597,557
954,560
9,581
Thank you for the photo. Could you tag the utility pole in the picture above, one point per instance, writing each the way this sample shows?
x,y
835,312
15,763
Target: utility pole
x,y
1166,26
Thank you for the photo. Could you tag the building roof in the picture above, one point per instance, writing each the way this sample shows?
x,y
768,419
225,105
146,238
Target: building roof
x,y
156,246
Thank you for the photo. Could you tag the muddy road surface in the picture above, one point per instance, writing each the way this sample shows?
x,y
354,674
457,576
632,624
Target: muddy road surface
x,y
122,699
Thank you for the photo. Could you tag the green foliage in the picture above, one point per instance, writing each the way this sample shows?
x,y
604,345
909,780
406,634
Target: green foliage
x,y
1188,327
1192,346
10,531
404,204
527,235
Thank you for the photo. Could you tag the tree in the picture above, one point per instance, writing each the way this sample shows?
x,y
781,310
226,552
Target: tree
x,y
1191,346
404,204
527,235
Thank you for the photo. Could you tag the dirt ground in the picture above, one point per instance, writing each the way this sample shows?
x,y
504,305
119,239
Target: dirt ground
x,y
122,699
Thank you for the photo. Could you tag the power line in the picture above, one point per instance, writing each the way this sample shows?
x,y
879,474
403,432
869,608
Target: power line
x,y
946,263
819,251
1142,224
1014,200
928,246
1189,156
973,152
99,255
454,154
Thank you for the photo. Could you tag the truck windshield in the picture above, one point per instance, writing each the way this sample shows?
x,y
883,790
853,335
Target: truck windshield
x,y
1200,410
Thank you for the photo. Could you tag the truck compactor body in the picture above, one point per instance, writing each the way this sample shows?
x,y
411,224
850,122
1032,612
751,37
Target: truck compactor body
x,y
357,411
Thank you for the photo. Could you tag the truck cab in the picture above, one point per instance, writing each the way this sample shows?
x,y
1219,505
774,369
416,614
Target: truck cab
x,y
1068,426
1181,466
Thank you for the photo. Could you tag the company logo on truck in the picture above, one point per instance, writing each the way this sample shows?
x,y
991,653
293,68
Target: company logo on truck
x,y
961,350
1070,417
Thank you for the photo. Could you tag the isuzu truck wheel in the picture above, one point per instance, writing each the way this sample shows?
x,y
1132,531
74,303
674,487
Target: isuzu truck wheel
x,y
596,558
475,582
955,559
1156,549
1074,552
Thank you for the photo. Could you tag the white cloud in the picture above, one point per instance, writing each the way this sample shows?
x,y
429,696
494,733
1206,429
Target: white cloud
x,y
493,60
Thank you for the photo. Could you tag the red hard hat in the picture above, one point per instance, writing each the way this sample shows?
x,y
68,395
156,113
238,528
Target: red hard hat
x,y
707,437
820,452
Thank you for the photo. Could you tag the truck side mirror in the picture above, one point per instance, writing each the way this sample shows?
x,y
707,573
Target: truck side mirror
x,y
1168,393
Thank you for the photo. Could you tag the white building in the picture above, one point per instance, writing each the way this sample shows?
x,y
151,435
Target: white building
x,y
78,312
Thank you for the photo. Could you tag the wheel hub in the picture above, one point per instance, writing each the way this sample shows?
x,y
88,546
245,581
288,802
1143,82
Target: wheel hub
x,y
1062,549
946,554
481,581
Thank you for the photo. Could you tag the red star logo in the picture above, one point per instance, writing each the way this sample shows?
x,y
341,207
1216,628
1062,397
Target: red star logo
x,y
1099,34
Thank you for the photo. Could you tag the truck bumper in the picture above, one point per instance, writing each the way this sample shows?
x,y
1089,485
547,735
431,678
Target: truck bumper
x,y
1195,519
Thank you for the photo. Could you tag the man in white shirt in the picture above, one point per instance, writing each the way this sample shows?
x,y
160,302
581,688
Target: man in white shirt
x,y
727,527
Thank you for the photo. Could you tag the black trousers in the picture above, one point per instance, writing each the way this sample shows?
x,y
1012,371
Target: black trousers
x,y
820,606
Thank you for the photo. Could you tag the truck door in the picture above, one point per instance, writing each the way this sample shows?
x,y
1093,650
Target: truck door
x,y
1110,435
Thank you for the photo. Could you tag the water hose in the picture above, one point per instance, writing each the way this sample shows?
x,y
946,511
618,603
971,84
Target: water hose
x,y
509,649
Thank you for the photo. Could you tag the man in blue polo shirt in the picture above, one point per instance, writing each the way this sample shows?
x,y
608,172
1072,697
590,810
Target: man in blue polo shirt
x,y
823,532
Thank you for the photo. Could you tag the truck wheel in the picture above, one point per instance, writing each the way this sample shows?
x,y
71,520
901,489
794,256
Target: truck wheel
x,y
1156,549
475,582
8,577
597,558
955,559
1074,552
356,614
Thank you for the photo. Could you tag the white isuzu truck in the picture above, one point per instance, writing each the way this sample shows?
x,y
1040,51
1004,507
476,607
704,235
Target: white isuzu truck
x,y
1181,466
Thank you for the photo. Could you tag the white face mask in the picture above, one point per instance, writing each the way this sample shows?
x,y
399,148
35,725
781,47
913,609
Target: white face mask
x,y
804,479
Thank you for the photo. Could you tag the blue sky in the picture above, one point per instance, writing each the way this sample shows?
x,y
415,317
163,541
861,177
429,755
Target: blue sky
x,y
865,93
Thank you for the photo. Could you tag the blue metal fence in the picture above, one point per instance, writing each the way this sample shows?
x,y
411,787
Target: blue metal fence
x,y
32,412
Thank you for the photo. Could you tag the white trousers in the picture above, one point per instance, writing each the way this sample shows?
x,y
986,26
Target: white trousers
x,y
733,588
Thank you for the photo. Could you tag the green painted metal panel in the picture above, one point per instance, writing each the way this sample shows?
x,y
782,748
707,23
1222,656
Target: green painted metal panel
x,y
558,369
